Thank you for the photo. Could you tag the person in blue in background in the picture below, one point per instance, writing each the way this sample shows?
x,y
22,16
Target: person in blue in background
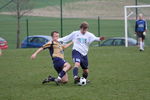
x,y
140,31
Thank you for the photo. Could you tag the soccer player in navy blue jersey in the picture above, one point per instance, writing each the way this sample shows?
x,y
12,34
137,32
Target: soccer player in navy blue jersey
x,y
140,31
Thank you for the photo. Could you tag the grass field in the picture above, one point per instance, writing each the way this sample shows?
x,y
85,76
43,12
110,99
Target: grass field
x,y
117,73
44,26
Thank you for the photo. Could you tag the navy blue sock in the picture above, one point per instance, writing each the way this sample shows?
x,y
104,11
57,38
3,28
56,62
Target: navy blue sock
x,y
62,73
51,78
75,71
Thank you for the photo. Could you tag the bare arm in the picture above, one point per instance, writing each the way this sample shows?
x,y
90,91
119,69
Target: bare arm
x,y
33,56
67,45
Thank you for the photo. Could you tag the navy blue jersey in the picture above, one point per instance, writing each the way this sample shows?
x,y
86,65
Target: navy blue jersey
x,y
140,26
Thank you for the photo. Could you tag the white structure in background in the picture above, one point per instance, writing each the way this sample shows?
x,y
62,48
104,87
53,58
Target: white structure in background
x,y
128,14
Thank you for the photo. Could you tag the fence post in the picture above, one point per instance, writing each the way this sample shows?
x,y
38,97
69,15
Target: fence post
x,y
27,26
98,29
61,19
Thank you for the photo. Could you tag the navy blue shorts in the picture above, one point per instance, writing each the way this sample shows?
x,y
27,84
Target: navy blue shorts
x,y
141,35
78,57
58,64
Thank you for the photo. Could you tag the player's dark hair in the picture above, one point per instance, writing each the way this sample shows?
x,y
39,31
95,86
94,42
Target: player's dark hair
x,y
52,33
84,25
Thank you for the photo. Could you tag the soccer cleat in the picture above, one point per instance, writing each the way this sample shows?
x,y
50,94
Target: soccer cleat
x,y
46,80
88,81
141,49
57,81
76,80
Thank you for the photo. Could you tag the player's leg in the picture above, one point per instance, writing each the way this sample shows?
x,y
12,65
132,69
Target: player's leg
x,y
75,72
140,41
84,66
66,67
58,65
65,79
85,73
75,69
49,79
143,38
76,56
62,76
141,44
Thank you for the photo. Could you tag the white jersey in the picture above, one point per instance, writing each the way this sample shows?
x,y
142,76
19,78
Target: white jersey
x,y
81,41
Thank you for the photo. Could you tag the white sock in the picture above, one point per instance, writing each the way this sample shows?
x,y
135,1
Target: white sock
x,y
75,77
59,78
141,45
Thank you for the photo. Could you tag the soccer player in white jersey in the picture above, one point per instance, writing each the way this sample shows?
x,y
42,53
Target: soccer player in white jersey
x,y
81,42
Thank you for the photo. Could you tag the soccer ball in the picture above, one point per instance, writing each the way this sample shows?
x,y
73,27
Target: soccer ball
x,y
82,81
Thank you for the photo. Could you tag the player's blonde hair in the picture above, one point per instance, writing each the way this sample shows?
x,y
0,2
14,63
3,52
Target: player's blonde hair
x,y
140,16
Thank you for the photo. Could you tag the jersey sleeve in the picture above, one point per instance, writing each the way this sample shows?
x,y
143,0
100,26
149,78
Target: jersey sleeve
x,y
145,25
47,45
67,38
94,38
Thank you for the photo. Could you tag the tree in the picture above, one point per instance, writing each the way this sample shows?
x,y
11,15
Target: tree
x,y
21,8
18,8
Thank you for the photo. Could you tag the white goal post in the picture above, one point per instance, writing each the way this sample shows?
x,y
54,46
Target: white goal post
x,y
126,15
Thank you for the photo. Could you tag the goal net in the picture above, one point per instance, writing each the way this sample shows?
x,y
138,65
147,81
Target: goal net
x,y
131,15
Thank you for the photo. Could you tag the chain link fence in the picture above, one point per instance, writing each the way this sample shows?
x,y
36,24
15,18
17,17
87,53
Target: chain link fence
x,y
44,16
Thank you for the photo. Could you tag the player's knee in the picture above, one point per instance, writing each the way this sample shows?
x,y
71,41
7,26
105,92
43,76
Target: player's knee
x,y
68,66
77,64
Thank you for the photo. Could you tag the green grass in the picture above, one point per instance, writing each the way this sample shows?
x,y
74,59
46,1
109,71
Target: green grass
x,y
144,1
117,73
44,26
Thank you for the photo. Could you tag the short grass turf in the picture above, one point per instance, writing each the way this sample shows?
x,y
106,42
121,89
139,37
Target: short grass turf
x,y
116,73
45,25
